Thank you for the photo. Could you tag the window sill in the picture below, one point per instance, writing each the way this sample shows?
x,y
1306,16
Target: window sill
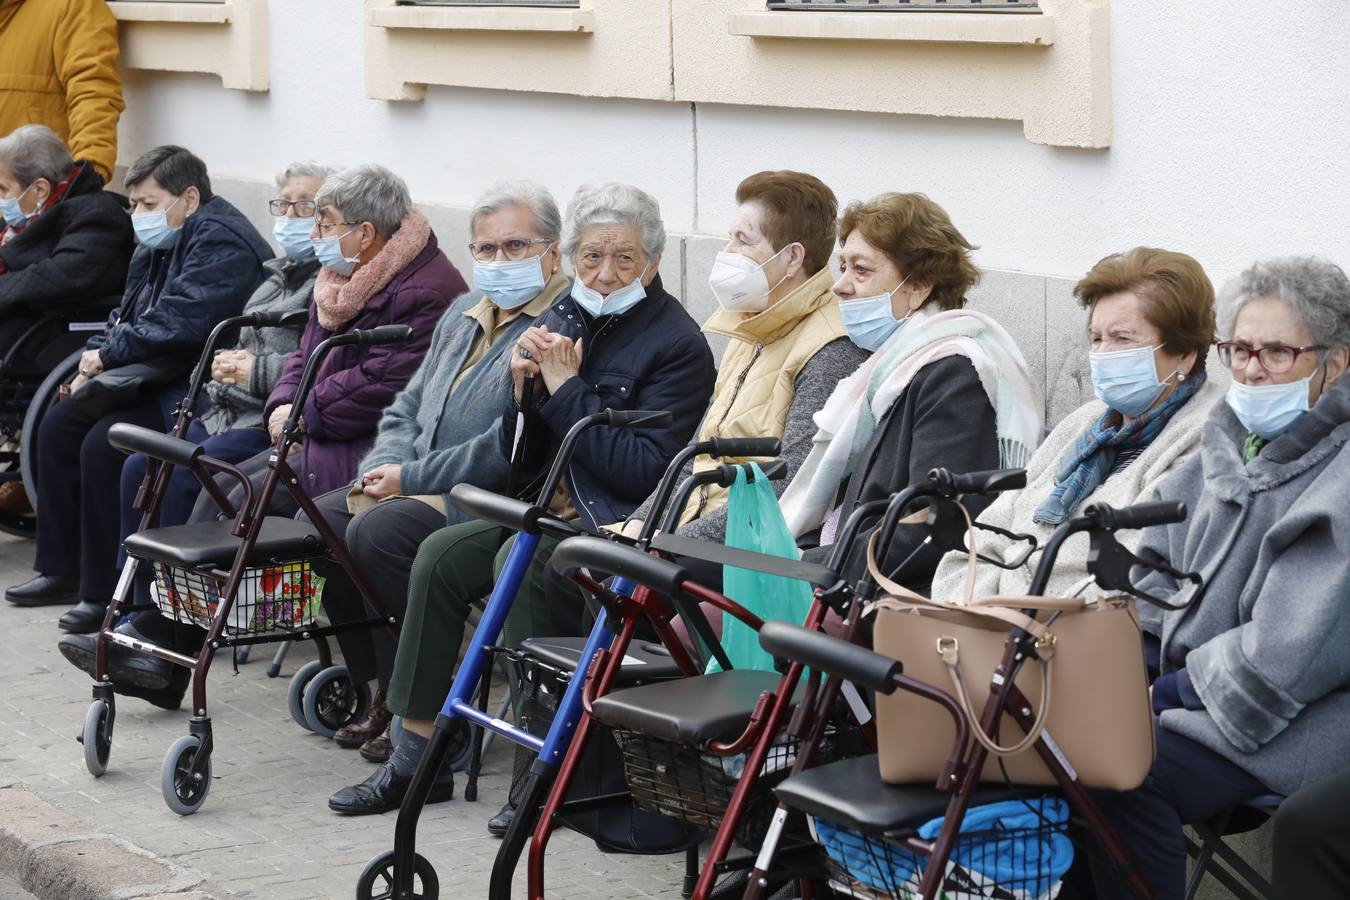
x,y
187,13
556,21
228,40
960,28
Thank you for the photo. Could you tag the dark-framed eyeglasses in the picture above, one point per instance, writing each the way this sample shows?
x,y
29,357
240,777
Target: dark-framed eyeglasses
x,y
303,208
516,248
325,227
1274,358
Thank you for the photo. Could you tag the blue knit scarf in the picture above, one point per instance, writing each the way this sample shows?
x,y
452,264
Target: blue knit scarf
x,y
1088,460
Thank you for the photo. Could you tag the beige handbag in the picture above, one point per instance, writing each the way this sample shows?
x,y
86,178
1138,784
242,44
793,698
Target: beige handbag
x,y
1089,686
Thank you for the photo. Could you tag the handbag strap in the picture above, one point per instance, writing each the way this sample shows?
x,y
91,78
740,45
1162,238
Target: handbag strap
x,y
949,651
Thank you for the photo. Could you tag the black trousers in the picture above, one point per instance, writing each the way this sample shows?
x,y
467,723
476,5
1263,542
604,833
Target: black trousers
x,y
78,481
383,539
1312,842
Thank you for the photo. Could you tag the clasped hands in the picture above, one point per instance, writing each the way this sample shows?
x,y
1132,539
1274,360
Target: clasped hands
x,y
232,366
90,365
553,357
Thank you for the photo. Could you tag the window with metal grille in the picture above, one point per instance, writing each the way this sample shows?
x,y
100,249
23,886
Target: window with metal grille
x,y
907,5
572,3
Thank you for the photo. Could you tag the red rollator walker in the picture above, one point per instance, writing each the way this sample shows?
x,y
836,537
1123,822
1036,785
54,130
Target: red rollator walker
x,y
247,579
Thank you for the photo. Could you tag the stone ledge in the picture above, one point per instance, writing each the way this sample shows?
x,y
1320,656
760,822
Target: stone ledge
x,y
959,28
505,18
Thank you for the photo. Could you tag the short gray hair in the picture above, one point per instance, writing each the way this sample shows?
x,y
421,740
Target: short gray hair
x,y
615,204
31,152
368,193
1317,291
527,194
304,169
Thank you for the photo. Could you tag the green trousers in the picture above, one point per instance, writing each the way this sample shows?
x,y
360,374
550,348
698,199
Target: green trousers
x,y
454,568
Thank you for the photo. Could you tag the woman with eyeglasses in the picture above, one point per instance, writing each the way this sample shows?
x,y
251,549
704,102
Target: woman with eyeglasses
x,y
1252,695
443,428
1150,326
230,428
617,339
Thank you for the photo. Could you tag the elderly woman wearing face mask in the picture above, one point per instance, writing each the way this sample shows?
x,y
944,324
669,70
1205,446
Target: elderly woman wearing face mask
x,y
229,429
617,340
1251,696
1150,324
199,259
945,386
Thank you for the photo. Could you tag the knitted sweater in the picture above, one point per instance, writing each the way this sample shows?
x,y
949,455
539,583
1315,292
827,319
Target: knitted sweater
x,y
1013,510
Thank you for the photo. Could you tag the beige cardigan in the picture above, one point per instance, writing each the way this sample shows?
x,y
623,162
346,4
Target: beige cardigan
x,y
1178,440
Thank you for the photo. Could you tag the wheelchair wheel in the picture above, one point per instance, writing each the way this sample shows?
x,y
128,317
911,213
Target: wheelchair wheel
x,y
97,737
377,879
183,793
332,700
42,401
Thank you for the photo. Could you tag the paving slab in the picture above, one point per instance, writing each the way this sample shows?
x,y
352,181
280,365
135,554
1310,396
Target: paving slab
x,y
265,830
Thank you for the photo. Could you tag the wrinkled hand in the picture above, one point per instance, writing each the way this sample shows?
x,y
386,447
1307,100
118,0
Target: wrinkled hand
x,y
77,383
561,362
277,420
90,363
232,367
381,481
524,361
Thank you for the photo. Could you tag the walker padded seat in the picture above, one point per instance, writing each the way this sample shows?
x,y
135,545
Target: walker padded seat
x,y
851,793
643,662
690,711
210,545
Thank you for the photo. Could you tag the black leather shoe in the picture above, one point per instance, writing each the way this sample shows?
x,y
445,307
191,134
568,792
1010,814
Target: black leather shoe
x,y
384,791
86,617
133,674
45,590
498,824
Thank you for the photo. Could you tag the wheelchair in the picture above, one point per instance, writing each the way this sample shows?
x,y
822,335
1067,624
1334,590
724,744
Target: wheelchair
x,y
38,354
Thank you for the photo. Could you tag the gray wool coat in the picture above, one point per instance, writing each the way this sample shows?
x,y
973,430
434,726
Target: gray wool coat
x,y
440,443
1268,646
288,285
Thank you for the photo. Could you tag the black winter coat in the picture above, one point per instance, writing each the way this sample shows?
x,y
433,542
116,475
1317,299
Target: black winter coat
x,y
652,357
943,418
71,257
175,297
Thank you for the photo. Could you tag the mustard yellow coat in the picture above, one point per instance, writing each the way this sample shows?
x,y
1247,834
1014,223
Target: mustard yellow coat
x,y
58,67
758,375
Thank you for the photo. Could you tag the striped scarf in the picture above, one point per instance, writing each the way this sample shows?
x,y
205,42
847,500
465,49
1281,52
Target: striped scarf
x,y
1088,460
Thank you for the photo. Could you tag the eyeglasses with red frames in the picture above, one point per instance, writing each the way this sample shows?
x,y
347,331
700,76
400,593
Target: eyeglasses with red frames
x,y
1274,358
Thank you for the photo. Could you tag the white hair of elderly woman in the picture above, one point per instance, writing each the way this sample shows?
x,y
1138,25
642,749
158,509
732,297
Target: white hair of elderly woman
x,y
614,204
306,168
31,152
1317,290
368,193
526,194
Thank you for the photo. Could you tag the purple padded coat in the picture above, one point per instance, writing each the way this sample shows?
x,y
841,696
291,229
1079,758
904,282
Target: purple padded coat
x,y
355,383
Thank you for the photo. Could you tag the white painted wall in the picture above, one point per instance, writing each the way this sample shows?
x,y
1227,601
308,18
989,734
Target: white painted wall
x,y
1232,123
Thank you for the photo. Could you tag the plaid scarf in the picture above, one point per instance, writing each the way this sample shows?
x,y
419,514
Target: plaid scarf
x,y
1089,459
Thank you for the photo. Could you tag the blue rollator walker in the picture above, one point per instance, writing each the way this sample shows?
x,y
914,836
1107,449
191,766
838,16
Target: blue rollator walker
x,y
397,873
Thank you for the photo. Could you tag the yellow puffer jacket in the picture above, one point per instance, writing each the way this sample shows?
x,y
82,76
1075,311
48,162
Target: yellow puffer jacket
x,y
58,67
757,379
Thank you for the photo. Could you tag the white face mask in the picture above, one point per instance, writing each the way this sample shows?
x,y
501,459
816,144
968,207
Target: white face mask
x,y
615,303
739,283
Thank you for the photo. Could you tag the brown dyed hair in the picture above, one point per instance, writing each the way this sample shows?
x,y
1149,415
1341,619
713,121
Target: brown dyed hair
x,y
1178,296
798,208
918,236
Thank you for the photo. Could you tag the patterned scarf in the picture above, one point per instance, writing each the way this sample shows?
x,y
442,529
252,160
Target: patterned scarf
x,y
1088,461
1252,447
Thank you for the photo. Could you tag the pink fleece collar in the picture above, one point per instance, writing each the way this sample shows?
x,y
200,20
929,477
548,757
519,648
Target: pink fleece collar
x,y
339,299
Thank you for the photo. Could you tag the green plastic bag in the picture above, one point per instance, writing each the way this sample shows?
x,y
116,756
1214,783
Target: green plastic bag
x,y
755,522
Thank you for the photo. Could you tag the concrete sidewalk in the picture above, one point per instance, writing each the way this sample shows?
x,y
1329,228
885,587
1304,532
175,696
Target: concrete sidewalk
x,y
265,830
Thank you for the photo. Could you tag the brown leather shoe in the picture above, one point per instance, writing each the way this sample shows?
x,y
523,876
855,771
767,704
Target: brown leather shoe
x,y
378,749
13,498
372,726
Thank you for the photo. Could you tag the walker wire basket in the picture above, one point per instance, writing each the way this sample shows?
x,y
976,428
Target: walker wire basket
x,y
1018,850
695,786
284,597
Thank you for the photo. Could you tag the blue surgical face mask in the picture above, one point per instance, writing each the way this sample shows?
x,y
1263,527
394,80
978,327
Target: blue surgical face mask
x,y
13,212
1126,380
615,304
512,283
1268,410
292,235
870,320
152,228
329,251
